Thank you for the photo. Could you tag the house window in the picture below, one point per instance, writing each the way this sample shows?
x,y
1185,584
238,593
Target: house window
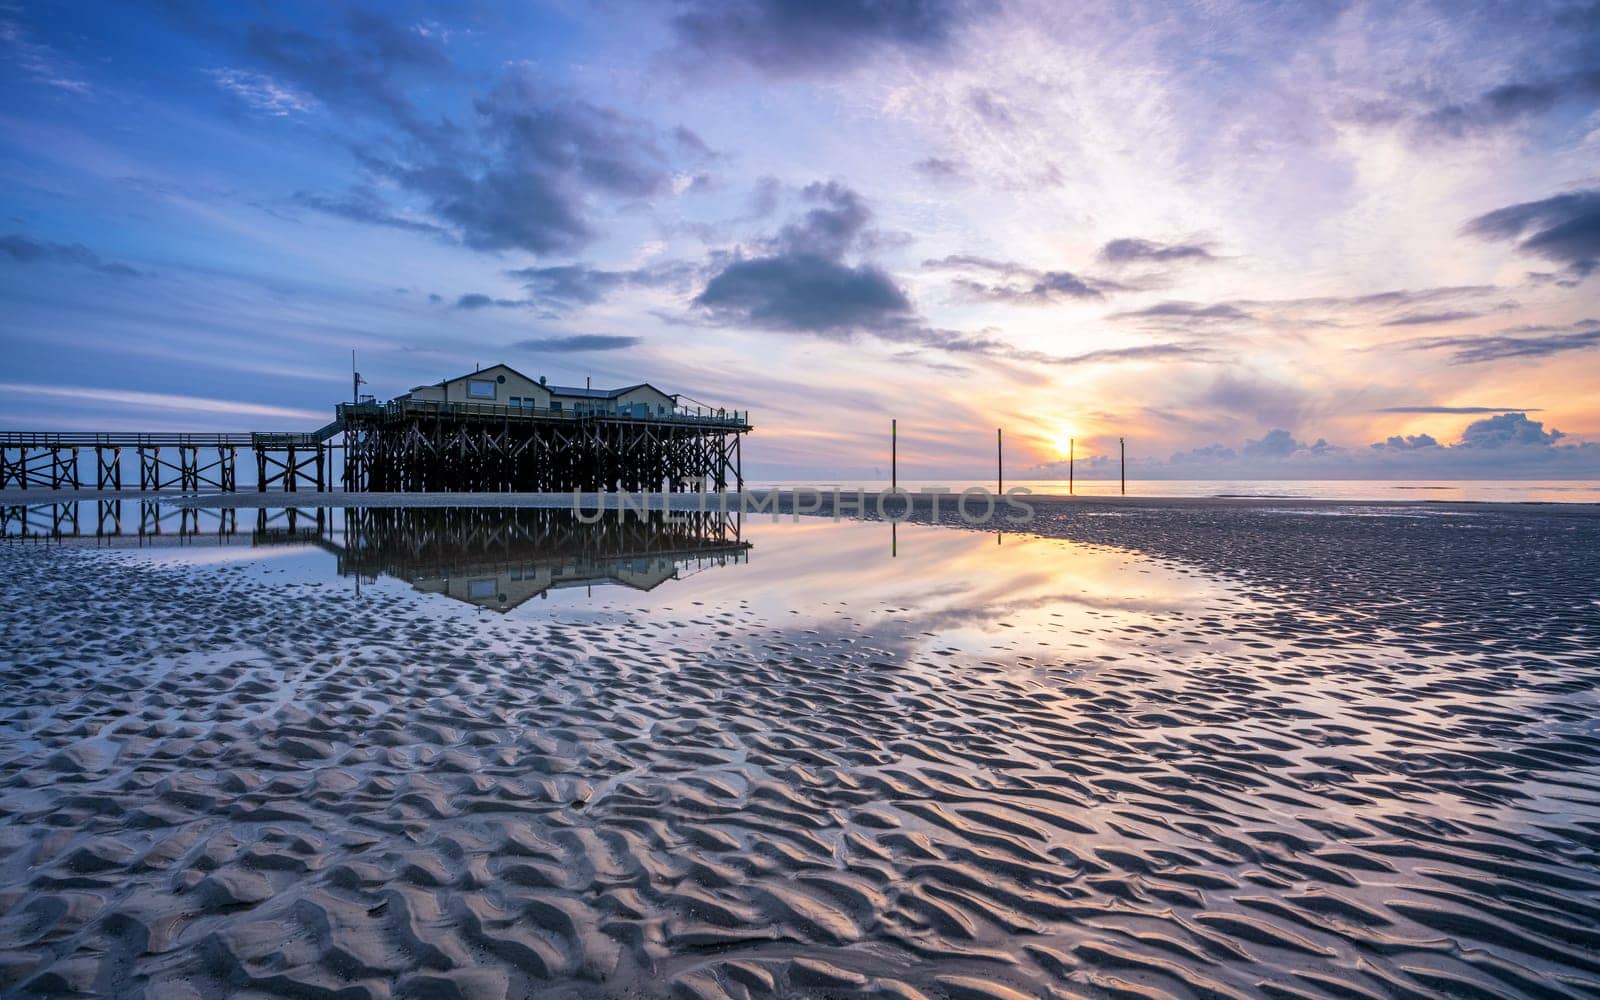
x,y
480,388
477,589
555,404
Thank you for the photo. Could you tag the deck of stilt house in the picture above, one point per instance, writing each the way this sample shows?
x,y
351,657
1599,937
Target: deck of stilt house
x,y
529,437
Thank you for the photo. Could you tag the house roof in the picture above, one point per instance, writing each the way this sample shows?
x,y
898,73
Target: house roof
x,y
484,371
573,390
559,390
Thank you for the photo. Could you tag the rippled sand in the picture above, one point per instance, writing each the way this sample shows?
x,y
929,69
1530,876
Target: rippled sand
x,y
1319,779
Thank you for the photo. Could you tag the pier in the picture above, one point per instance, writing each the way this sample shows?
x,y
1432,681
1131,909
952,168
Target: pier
x,y
493,430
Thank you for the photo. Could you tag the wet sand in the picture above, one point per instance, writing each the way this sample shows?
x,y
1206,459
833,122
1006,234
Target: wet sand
x,y
1361,761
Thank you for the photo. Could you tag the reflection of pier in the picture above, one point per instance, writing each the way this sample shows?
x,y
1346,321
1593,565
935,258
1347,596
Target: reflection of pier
x,y
498,558
493,557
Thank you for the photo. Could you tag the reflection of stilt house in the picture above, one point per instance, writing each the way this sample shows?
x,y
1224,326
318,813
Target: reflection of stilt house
x,y
498,558
497,429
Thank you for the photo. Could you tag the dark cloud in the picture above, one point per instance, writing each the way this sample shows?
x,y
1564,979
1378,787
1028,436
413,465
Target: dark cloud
x,y
1508,430
570,285
27,250
366,68
1220,312
939,168
1005,281
1508,104
362,204
477,300
525,171
831,229
1499,347
805,292
578,343
1128,251
1456,409
1408,442
1427,319
792,37
1564,229
1279,443
805,282
802,282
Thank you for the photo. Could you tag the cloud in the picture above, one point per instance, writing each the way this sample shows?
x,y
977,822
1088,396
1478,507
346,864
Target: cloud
x,y
1509,103
577,343
795,37
1010,282
362,204
365,68
1323,310
525,173
1408,442
478,300
1220,312
802,282
1280,443
1508,430
568,286
1129,251
162,401
805,292
1457,409
262,93
39,62
1499,347
525,184
940,168
27,250
1428,319
1564,229
1507,445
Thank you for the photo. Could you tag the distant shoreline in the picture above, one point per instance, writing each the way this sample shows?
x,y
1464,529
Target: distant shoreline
x,y
692,501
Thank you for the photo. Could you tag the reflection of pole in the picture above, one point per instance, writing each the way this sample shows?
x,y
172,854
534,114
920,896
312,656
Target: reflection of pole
x,y
894,539
894,454
1072,461
1122,444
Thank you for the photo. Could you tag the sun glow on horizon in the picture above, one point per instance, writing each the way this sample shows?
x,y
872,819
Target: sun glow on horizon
x,y
1063,440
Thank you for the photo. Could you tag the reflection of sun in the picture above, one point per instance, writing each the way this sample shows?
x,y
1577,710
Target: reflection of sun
x,y
1063,442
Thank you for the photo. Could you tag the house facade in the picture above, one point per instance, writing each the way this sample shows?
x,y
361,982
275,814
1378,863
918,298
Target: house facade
x,y
502,385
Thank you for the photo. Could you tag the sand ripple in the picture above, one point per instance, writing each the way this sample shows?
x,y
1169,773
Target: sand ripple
x,y
217,785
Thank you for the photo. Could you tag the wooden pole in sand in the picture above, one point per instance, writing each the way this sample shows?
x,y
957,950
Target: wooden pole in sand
x,y
894,454
1123,445
999,463
1072,461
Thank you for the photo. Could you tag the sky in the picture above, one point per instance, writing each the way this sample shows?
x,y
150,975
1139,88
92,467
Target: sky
x,y
1296,240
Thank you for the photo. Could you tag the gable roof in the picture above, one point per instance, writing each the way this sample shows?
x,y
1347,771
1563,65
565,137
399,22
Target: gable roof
x,y
484,371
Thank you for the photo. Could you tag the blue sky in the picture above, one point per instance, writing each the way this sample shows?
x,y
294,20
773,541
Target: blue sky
x,y
1341,239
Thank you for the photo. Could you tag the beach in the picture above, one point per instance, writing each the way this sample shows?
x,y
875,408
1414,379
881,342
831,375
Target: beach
x,y
1133,748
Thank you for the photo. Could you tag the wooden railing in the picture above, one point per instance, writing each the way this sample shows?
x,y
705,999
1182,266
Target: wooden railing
x,y
425,408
